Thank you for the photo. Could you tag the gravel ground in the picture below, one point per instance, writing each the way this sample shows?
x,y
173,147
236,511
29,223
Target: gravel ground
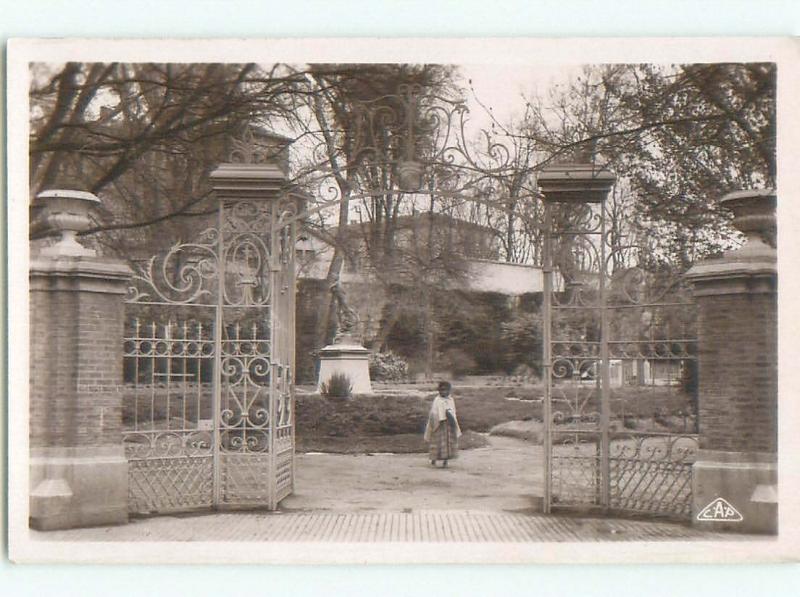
x,y
504,476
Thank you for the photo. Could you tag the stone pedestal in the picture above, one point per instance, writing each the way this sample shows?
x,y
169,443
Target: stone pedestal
x,y
736,298
746,480
349,358
78,470
78,487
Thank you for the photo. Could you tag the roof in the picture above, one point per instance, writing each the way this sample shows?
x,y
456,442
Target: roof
x,y
411,220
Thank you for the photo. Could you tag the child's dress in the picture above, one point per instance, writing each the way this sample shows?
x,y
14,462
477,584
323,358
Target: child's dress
x,y
442,431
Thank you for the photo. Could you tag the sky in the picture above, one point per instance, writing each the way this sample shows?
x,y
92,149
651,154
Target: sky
x,y
497,87
501,87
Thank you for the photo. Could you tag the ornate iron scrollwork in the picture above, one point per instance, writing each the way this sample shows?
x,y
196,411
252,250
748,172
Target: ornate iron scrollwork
x,y
185,274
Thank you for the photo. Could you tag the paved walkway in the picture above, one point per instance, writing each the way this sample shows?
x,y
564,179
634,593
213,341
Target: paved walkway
x,y
424,526
488,494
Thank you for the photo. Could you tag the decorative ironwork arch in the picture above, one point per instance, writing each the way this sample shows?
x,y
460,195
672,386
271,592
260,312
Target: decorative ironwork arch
x,y
421,138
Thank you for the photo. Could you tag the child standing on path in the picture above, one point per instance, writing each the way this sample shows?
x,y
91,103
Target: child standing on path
x,y
442,431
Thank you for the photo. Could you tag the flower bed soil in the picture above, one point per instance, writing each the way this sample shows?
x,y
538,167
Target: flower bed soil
x,y
393,419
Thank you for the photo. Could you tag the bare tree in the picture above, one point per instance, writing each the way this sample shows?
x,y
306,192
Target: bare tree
x,y
356,113
144,135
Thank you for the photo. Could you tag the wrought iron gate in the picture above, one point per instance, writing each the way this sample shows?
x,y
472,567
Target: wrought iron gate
x,y
209,358
619,411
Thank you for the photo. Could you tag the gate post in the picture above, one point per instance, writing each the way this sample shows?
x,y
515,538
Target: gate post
x,y
737,356
256,180
579,185
78,469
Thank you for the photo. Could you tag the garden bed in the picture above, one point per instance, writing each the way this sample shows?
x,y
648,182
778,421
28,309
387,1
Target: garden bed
x,y
393,419
479,409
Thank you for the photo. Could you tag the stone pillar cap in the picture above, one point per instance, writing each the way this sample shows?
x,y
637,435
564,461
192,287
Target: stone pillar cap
x,y
267,171
233,180
575,182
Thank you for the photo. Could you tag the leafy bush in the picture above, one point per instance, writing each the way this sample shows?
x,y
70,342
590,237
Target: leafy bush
x,y
458,362
522,343
337,386
387,366
526,372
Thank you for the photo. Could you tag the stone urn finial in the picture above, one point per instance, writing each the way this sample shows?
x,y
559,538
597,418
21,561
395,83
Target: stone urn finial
x,y
754,216
67,213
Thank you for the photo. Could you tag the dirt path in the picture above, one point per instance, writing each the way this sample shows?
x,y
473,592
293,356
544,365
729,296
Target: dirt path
x,y
505,476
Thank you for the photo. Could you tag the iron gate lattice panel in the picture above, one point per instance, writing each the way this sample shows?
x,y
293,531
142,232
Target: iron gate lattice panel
x,y
576,469
245,479
619,352
652,474
208,410
170,484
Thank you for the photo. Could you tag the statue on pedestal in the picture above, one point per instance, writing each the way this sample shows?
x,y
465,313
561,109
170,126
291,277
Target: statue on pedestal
x,y
347,319
346,355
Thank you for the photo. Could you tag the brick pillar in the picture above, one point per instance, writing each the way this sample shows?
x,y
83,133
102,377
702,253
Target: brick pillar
x,y
738,377
78,470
